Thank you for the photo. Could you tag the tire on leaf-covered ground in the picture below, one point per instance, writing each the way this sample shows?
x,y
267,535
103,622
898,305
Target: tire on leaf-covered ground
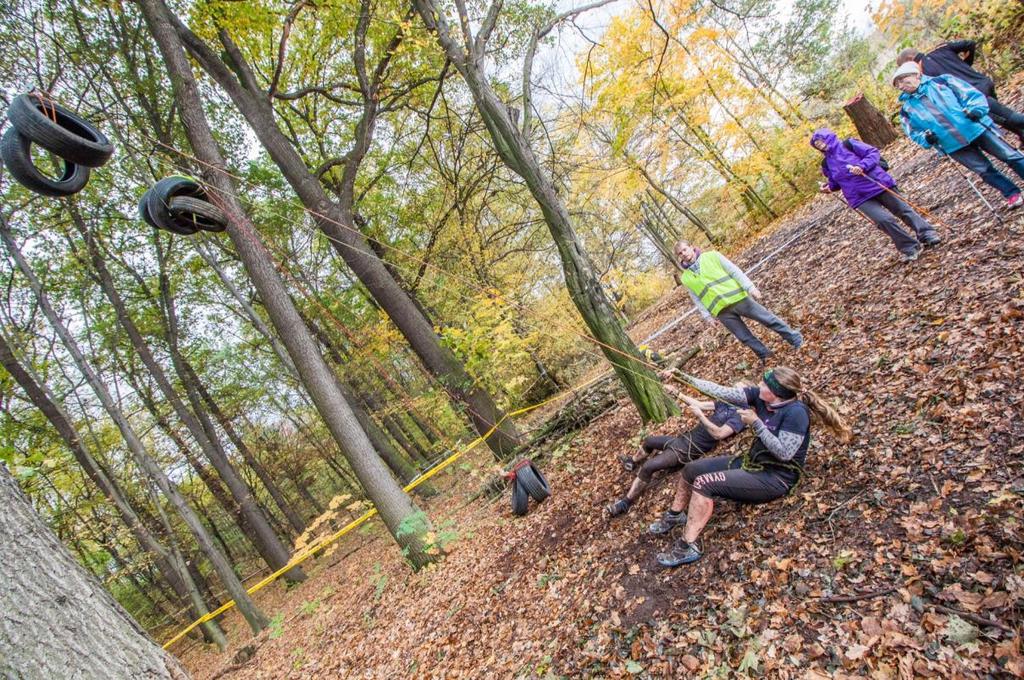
x,y
520,499
16,151
70,136
199,212
533,481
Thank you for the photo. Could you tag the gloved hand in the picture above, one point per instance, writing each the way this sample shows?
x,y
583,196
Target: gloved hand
x,y
972,115
931,138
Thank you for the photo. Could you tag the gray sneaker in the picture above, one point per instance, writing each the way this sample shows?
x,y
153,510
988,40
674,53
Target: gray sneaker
x,y
681,553
667,522
912,255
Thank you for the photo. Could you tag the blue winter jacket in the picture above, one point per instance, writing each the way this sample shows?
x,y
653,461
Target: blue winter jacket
x,y
839,154
939,105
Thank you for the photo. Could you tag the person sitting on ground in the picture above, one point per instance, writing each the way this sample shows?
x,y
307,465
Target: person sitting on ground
x,y
946,60
779,413
721,291
676,452
946,113
854,167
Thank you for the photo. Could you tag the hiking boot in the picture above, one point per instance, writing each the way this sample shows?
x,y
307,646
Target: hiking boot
x,y
931,239
667,522
1014,201
799,341
619,507
911,256
681,553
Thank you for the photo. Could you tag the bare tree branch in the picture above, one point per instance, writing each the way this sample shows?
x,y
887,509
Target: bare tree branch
x,y
538,34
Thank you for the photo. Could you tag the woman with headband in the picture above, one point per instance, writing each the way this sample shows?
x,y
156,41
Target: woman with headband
x,y
779,412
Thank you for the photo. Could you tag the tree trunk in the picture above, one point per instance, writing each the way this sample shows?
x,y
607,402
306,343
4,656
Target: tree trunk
x,y
872,125
642,385
56,620
255,618
172,571
337,221
406,522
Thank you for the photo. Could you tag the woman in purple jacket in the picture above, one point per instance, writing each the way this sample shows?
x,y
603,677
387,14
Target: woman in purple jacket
x,y
854,167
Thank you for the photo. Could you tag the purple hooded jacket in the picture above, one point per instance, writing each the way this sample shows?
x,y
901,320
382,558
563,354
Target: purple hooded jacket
x,y
856,188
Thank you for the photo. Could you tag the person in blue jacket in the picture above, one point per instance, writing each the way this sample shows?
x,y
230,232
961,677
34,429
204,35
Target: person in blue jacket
x,y
855,168
946,113
946,59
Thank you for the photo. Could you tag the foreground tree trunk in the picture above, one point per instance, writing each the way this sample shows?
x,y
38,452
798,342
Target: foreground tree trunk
x,y
168,562
405,521
56,620
254,617
872,125
467,55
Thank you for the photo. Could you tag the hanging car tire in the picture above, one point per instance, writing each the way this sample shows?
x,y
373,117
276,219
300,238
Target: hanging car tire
x,y
198,212
15,149
158,204
144,210
533,481
520,499
70,136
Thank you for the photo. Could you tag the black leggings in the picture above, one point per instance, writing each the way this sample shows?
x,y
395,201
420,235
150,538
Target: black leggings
x,y
675,453
721,477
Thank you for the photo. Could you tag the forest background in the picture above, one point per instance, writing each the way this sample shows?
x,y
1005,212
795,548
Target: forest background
x,y
662,121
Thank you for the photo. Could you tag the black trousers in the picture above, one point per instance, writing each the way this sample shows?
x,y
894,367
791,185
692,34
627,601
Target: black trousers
x,y
721,477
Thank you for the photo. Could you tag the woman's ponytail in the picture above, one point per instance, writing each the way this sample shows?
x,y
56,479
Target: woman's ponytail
x,y
820,408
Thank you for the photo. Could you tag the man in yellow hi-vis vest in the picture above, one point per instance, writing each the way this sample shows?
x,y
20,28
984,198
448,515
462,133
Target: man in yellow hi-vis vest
x,y
720,290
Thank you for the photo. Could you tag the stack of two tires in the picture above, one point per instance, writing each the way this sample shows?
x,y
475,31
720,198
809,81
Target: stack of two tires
x,y
528,482
36,119
179,204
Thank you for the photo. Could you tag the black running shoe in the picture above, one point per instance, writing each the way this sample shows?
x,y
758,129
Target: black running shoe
x,y
619,507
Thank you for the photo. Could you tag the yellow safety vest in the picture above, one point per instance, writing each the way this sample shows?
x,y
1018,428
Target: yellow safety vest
x,y
714,287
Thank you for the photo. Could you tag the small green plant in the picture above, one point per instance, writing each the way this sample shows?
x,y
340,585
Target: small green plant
x,y
544,579
842,559
298,657
903,428
957,538
276,626
309,608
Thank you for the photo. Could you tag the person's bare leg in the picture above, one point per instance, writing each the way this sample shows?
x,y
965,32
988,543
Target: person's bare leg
x,y
682,497
697,516
636,489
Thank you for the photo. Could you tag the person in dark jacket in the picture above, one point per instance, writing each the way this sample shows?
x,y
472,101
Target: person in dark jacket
x,y
854,167
721,422
946,113
946,59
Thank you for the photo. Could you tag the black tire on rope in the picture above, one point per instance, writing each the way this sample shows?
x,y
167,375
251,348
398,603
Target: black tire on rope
x,y
15,149
199,212
158,204
71,137
520,499
533,481
144,211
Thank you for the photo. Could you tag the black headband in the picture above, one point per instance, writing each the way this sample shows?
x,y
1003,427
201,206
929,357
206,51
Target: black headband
x,y
777,388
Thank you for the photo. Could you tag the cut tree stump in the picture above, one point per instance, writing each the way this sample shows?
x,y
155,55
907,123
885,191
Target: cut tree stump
x,y
872,125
